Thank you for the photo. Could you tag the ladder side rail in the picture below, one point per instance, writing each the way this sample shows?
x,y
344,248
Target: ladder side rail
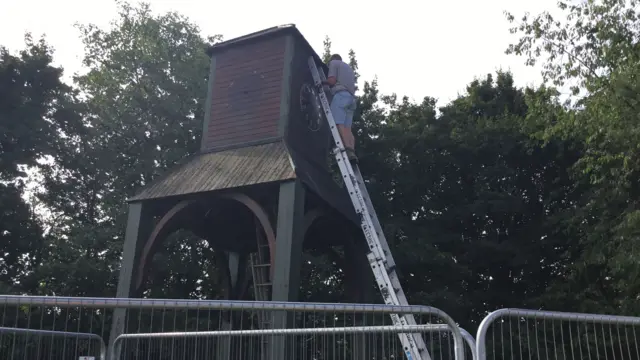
x,y
345,166
376,256
409,343
376,224
390,262
346,169
381,238
378,228
393,275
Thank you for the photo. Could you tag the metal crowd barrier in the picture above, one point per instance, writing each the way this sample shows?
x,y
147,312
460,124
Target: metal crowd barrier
x,y
530,334
229,329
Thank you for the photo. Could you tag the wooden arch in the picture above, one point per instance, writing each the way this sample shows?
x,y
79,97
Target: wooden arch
x,y
161,228
310,217
354,287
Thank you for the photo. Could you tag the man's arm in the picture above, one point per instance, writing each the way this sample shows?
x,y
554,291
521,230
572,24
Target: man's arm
x,y
333,72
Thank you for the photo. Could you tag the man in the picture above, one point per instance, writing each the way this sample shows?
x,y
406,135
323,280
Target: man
x,y
342,82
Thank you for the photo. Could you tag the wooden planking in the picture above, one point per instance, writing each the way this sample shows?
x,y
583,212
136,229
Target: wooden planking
x,y
307,131
309,142
223,170
245,98
320,182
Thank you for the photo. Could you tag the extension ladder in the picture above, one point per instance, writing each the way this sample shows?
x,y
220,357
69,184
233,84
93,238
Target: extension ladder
x,y
379,255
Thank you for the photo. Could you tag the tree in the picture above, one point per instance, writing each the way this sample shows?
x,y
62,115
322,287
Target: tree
x,y
469,200
466,186
21,238
595,51
145,95
326,53
35,107
36,110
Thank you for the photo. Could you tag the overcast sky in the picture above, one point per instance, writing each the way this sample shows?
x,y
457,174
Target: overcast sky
x,y
416,48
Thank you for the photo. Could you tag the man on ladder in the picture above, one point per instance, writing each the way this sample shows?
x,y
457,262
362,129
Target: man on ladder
x,y
342,82
340,112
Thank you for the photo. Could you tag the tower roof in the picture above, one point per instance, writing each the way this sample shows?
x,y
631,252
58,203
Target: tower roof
x,y
261,36
227,169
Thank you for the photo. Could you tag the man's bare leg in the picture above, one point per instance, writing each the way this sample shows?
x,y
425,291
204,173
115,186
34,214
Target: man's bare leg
x,y
348,141
347,136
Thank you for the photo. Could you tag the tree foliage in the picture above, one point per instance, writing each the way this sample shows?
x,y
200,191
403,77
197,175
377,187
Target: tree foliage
x,y
596,48
37,113
36,107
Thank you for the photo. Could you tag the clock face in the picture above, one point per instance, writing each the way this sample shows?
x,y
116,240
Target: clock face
x,y
310,107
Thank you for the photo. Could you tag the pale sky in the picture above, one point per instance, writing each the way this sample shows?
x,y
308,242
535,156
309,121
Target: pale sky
x,y
430,48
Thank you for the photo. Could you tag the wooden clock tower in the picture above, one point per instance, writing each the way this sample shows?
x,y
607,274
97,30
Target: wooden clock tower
x,y
260,188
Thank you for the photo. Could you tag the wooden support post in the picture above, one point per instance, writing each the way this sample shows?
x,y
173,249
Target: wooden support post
x,y
139,225
289,237
234,269
286,270
233,263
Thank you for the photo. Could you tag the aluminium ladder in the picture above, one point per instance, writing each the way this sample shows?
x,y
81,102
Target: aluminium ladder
x,y
261,269
261,273
379,255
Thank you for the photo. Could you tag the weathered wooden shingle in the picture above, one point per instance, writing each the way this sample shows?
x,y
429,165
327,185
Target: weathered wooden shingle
x,y
223,170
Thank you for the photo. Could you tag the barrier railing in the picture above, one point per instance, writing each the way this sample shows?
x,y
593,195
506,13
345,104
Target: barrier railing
x,y
32,344
530,334
471,343
143,316
295,332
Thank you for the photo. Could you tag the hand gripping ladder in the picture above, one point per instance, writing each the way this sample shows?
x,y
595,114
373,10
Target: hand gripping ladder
x,y
379,255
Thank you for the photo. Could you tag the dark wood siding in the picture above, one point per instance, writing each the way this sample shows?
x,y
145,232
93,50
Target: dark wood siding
x,y
245,95
307,132
309,140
